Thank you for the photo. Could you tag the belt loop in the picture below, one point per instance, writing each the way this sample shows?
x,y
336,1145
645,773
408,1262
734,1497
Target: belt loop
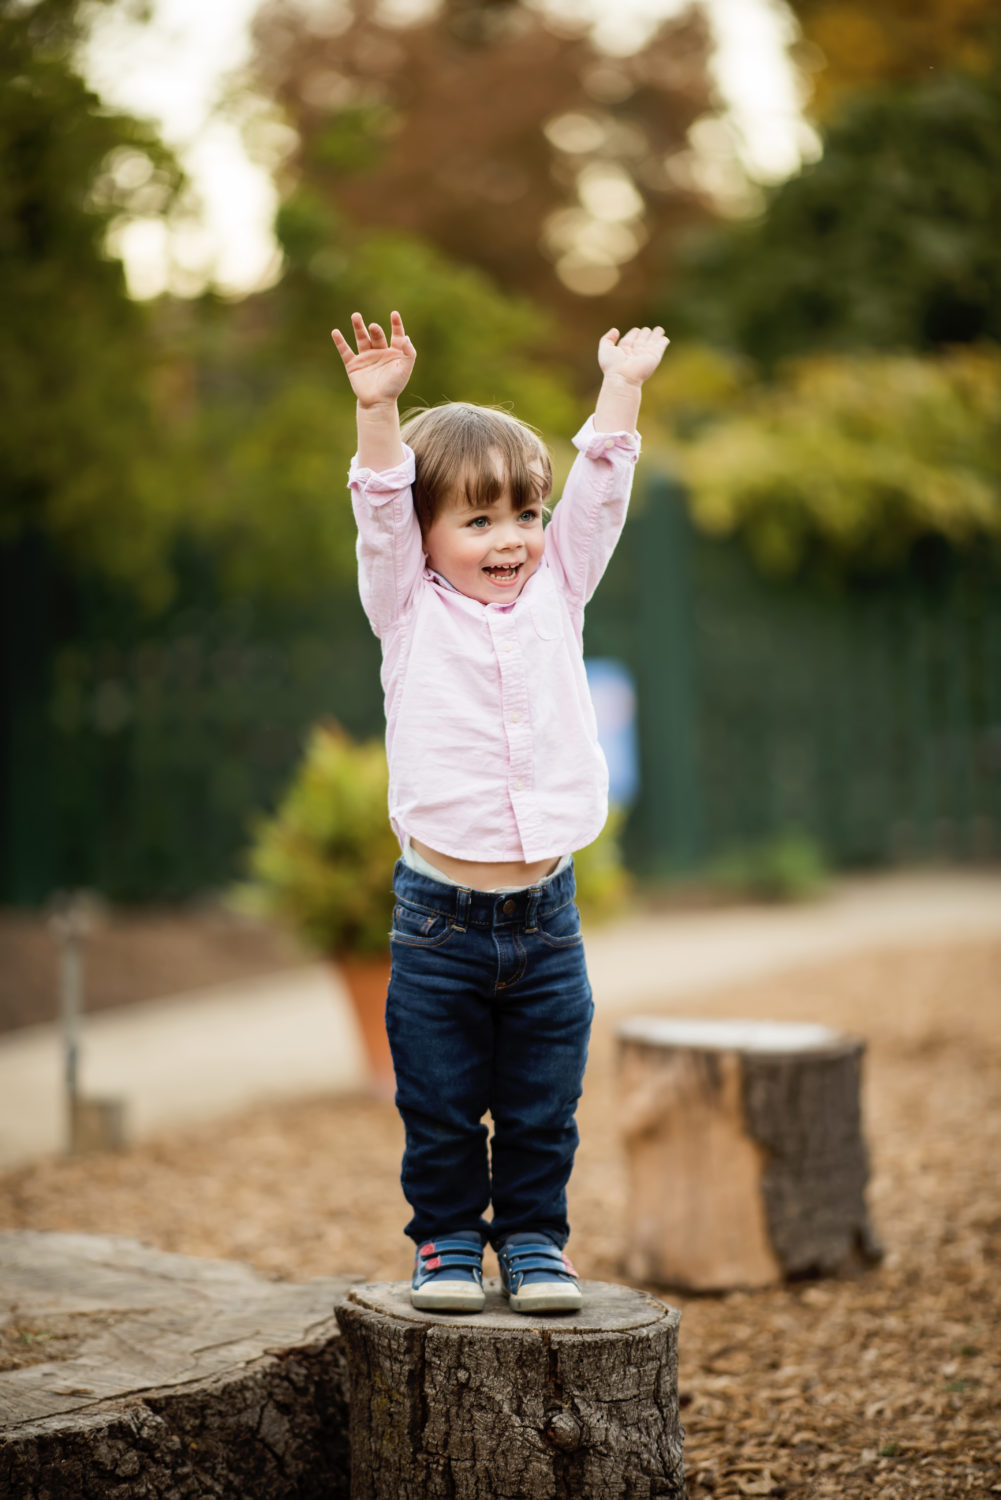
x,y
532,910
462,896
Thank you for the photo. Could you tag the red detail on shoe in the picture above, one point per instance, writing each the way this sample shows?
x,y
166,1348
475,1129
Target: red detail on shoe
x,y
432,1265
566,1261
427,1249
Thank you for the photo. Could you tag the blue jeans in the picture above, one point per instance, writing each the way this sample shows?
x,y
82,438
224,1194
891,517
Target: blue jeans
x,y
489,1009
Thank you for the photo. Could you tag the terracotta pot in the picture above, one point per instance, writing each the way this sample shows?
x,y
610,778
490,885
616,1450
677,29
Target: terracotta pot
x,y
367,980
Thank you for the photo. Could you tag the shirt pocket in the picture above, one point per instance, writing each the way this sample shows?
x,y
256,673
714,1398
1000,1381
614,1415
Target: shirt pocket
x,y
546,617
419,926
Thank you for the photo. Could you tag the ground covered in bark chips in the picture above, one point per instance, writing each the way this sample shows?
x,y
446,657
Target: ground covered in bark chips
x,y
884,1381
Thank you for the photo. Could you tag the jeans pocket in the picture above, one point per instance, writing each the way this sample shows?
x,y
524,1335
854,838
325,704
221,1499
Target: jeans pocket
x,y
560,927
419,926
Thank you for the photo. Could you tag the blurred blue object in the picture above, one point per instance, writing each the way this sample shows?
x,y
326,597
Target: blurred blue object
x,y
614,695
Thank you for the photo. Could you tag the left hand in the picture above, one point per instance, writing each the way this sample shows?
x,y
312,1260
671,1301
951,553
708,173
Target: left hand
x,y
633,357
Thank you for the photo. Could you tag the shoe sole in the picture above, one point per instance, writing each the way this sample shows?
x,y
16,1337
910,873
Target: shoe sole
x,y
546,1299
449,1296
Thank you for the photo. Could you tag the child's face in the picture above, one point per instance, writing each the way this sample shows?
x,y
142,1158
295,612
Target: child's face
x,y
487,553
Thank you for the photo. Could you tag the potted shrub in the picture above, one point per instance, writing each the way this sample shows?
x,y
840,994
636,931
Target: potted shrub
x,y
323,865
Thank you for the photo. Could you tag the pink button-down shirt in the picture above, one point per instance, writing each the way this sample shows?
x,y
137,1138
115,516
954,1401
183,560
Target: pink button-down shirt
x,y
490,731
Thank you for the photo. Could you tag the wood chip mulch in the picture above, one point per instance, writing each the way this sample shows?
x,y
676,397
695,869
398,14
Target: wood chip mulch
x,y
880,1382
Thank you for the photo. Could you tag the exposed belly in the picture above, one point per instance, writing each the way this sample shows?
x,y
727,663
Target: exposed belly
x,y
483,875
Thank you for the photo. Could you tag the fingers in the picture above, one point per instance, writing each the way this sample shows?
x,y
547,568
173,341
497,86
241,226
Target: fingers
x,y
399,337
341,344
645,335
636,338
362,337
369,336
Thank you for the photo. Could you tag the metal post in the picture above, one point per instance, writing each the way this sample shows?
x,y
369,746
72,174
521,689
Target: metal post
x,y
91,1124
69,925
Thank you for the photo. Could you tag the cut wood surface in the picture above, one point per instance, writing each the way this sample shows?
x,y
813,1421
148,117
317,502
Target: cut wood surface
x,y
164,1375
746,1156
499,1406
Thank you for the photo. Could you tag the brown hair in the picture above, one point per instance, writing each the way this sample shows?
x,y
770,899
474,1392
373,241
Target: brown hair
x,y
457,447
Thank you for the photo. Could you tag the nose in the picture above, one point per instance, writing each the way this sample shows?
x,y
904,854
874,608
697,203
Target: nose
x,y
507,537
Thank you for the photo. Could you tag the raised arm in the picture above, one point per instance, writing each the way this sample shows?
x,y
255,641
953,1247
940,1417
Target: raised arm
x,y
589,518
625,363
378,373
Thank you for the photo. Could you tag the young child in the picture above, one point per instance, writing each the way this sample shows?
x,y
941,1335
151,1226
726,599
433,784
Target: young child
x,y
496,778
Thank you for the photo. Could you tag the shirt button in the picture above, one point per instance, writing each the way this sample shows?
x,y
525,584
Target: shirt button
x,y
519,784
516,718
609,442
508,907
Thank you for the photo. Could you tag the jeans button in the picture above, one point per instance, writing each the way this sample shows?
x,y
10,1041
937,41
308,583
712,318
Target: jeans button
x,y
508,907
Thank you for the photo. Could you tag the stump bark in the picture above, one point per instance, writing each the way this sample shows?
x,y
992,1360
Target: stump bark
x,y
746,1158
127,1372
499,1406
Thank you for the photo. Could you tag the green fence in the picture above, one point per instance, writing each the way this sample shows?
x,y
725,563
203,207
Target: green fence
x,y
868,716
136,753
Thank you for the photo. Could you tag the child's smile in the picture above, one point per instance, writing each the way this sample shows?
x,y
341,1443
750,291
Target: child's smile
x,y
487,553
505,573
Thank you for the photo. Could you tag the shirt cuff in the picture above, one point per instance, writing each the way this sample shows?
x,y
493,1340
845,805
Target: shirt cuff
x,y
379,485
604,444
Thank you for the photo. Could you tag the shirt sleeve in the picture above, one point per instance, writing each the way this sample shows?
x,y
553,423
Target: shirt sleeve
x,y
390,549
588,521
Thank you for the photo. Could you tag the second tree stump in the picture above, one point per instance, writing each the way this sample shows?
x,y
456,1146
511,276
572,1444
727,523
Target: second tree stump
x,y
746,1158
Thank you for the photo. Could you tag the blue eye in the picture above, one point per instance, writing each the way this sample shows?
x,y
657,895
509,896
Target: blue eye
x,y
479,522
529,515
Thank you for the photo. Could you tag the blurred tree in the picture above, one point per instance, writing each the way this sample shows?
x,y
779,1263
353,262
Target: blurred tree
x,y
848,467
889,241
506,140
140,435
79,444
850,45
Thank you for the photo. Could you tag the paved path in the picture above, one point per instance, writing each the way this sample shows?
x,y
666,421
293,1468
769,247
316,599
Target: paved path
x,y
194,1057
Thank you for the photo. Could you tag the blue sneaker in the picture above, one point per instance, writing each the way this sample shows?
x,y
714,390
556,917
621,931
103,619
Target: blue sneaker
x,y
536,1276
448,1274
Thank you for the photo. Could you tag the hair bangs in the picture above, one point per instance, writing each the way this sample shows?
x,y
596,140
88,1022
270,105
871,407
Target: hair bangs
x,y
475,453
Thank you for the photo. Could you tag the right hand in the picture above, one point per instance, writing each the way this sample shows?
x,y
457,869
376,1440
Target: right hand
x,y
380,369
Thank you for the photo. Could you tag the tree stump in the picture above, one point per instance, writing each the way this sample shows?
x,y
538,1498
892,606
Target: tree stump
x,y
499,1406
127,1372
746,1158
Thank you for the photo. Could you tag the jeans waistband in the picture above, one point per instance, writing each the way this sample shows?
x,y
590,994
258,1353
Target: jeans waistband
x,y
469,907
